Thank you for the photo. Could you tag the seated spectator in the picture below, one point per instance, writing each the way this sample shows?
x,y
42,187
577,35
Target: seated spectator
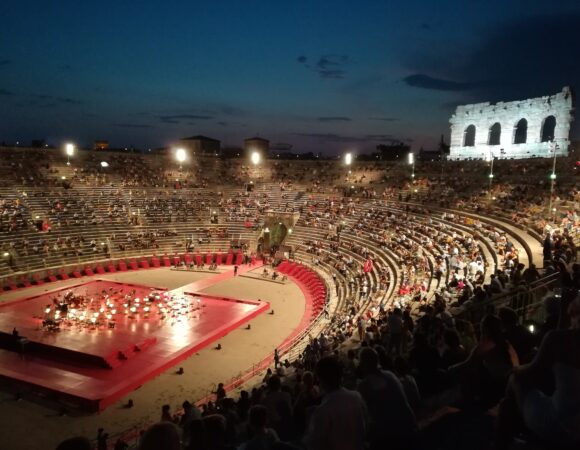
x,y
392,422
555,416
340,422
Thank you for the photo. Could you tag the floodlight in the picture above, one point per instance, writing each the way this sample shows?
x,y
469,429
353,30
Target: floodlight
x,y
348,159
104,164
255,158
70,149
411,158
180,155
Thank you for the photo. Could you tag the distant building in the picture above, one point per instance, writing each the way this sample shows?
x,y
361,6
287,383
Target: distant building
x,y
257,144
101,145
201,145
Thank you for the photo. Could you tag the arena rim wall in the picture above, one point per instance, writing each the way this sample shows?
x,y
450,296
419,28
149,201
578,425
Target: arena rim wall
x,y
527,119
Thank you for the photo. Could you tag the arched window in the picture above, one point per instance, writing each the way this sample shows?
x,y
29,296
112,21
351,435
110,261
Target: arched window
x,y
495,134
521,132
469,136
548,128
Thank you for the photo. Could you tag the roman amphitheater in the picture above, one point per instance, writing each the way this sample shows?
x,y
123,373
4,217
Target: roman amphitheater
x,y
288,261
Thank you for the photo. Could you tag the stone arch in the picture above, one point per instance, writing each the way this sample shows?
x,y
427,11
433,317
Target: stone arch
x,y
494,134
548,128
521,132
469,136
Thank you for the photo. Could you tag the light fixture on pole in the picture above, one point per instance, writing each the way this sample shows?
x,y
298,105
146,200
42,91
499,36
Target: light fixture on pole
x,y
255,158
181,156
411,160
348,159
490,174
553,148
347,162
70,151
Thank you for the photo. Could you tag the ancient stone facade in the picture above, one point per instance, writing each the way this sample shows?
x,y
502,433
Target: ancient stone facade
x,y
519,129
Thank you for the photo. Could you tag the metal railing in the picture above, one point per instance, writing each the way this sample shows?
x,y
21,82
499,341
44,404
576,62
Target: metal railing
x,y
527,300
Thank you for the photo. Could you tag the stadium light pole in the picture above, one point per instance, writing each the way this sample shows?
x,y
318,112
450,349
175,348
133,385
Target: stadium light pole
x,y
490,175
553,147
69,149
255,157
347,163
181,156
411,160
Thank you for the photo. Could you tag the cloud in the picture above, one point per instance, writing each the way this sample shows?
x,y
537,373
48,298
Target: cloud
x,y
132,125
5,92
385,119
5,62
334,119
332,66
329,66
423,81
223,124
177,118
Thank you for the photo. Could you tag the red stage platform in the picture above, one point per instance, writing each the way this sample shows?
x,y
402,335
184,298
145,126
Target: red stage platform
x,y
90,365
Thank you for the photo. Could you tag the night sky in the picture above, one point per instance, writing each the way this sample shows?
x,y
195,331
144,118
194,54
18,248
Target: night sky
x,y
323,76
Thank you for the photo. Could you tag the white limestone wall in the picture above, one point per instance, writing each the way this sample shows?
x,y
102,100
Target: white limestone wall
x,y
508,114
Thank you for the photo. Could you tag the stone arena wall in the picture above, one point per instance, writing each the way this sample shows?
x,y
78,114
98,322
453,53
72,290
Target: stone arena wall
x,y
535,111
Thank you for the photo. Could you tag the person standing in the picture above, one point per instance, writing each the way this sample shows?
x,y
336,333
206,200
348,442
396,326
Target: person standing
x,y
276,359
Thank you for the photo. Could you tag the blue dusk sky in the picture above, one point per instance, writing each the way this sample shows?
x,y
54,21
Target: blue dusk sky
x,y
324,76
